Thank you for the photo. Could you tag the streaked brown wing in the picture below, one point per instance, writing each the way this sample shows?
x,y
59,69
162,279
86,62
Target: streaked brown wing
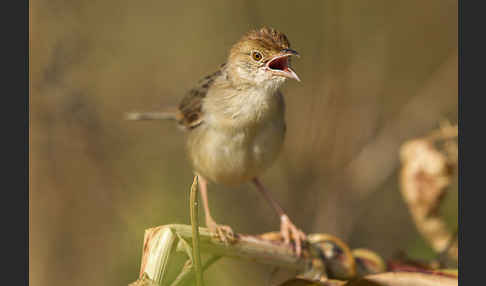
x,y
190,108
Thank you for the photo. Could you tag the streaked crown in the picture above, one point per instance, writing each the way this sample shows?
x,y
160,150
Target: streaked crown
x,y
268,38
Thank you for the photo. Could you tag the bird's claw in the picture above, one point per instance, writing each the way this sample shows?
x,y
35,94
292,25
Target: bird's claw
x,y
223,232
290,232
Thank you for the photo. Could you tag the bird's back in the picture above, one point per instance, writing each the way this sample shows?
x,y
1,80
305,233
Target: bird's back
x,y
189,113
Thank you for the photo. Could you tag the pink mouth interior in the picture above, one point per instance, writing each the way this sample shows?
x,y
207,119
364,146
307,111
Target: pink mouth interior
x,y
281,63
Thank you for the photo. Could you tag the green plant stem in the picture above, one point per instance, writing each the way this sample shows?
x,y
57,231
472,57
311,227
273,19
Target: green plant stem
x,y
196,254
186,276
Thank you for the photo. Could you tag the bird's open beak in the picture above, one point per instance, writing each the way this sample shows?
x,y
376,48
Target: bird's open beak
x,y
279,65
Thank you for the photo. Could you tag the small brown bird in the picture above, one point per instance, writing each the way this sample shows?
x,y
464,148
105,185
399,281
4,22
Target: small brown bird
x,y
235,121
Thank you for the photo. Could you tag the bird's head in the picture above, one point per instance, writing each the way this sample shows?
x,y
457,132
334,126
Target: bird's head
x,y
262,57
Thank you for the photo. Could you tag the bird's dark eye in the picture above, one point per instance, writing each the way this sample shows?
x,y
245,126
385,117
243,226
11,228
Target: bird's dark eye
x,y
256,56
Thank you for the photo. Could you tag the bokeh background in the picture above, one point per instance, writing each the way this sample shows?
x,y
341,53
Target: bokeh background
x,y
374,74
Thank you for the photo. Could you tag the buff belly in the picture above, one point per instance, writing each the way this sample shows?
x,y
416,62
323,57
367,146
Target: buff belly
x,y
232,157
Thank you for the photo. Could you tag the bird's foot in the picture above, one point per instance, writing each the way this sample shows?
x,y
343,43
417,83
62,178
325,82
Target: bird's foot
x,y
290,232
223,232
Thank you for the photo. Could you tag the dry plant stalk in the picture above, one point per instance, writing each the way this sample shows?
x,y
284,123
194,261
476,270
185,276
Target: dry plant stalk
x,y
403,279
162,242
319,257
382,279
426,173
246,247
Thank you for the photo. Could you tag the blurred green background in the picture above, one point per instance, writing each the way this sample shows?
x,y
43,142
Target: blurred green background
x,y
374,74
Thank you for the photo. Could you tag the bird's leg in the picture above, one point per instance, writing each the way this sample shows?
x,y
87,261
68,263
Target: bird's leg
x,y
287,229
224,232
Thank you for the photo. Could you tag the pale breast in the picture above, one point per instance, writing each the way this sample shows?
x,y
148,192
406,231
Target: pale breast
x,y
231,154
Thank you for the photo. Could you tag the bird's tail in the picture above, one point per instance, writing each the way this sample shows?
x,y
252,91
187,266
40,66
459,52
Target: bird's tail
x,y
151,115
